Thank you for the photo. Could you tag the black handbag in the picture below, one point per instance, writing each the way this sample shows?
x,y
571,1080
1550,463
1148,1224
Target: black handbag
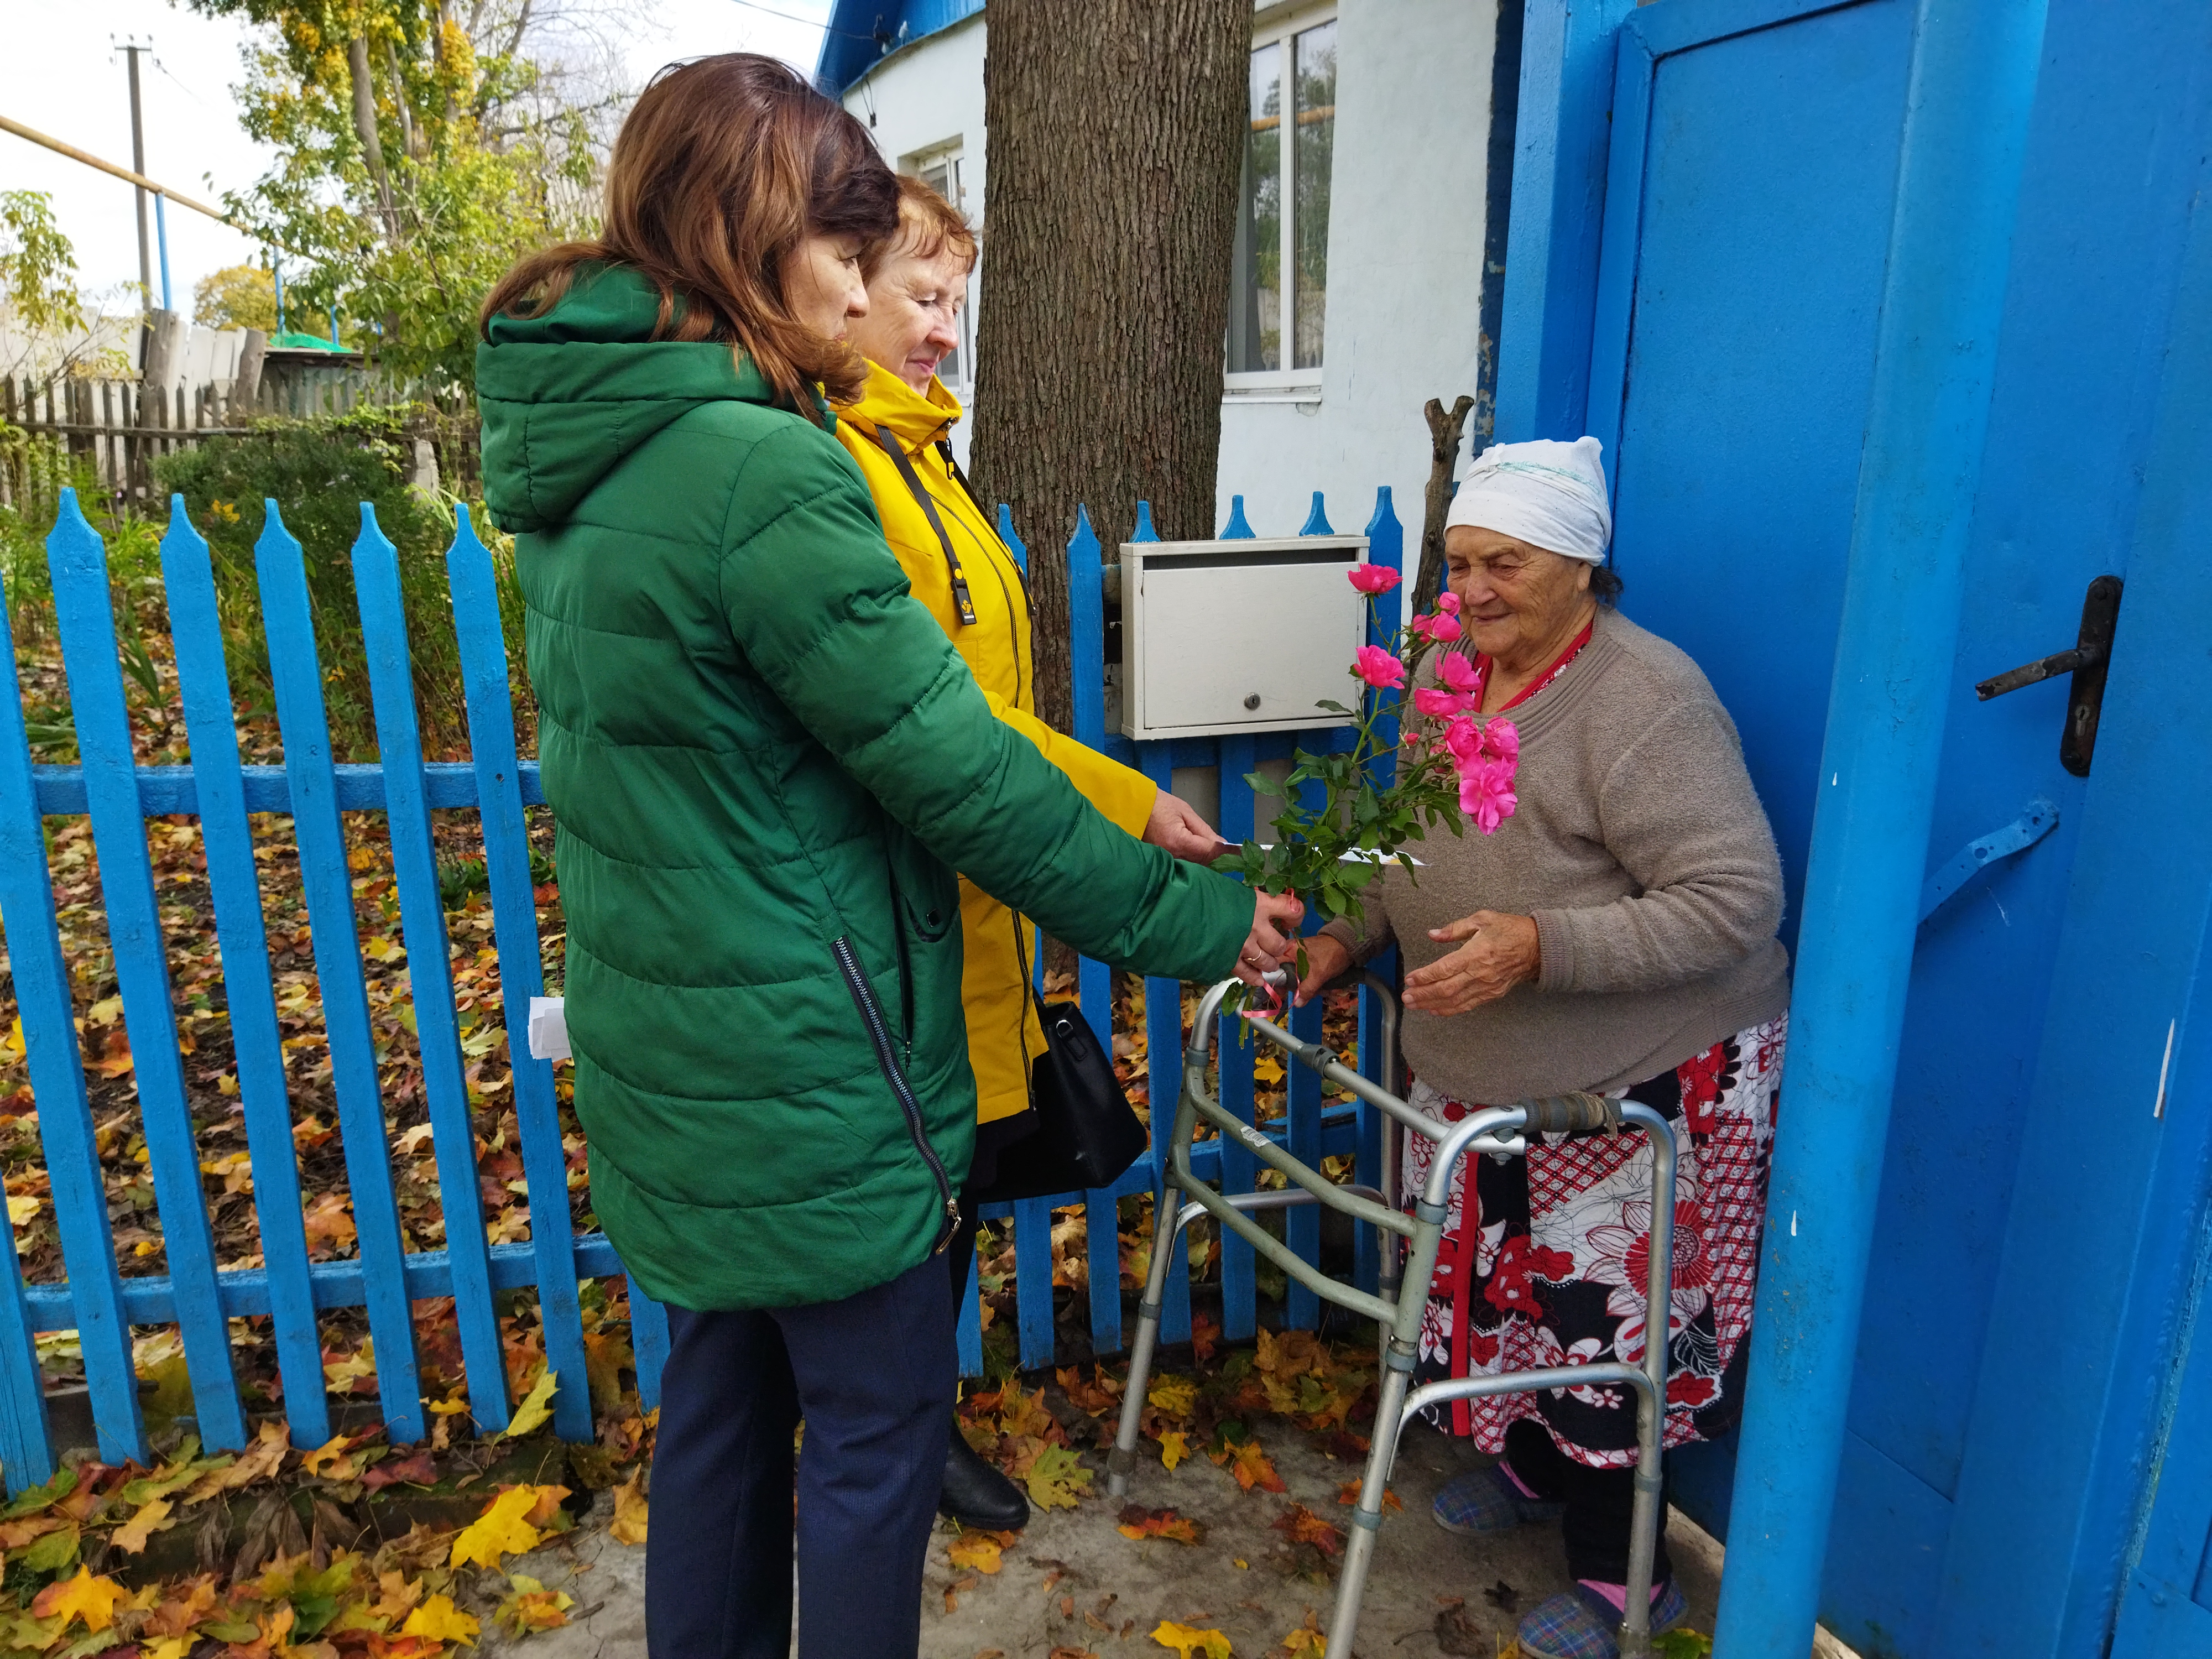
x,y
1087,1133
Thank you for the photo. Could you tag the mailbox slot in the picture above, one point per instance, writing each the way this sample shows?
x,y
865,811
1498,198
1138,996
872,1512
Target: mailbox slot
x,y
1245,635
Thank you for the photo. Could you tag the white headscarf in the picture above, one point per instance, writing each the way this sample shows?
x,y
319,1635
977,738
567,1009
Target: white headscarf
x,y
1551,495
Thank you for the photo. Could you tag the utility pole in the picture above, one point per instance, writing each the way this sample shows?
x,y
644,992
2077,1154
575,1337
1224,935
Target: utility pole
x,y
138,166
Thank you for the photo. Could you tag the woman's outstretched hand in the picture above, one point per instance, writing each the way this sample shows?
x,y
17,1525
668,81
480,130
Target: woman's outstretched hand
x,y
1327,956
1176,825
1274,936
1500,952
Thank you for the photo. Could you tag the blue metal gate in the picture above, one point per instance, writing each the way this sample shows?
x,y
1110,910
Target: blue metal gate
x,y
1703,217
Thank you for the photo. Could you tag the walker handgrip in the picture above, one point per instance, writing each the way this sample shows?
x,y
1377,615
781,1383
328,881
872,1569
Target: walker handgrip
x,y
1575,1113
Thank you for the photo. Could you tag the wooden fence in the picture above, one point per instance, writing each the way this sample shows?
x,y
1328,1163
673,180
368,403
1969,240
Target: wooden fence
x,y
107,433
198,1295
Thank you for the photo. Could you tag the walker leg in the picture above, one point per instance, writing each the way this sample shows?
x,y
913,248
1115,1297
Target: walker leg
x,y
1367,1518
1123,1458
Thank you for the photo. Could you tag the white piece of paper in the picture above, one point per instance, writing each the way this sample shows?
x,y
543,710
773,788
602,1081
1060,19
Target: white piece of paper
x,y
549,1028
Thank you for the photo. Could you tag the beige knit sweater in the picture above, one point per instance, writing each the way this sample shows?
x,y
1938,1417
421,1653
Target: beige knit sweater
x,y
1640,848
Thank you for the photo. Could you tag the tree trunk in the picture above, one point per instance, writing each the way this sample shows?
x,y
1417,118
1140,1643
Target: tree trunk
x,y
364,124
1116,139
1443,458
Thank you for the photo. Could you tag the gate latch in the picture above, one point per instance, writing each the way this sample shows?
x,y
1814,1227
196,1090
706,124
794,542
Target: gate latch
x,y
2087,662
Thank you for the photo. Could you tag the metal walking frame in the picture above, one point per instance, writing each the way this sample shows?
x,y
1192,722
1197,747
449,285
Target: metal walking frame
x,y
1398,1306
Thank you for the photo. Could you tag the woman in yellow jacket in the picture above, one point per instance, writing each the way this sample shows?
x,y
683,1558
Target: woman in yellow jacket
x,y
897,430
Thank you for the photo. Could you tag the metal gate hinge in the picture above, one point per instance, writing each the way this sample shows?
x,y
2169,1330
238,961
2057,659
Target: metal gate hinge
x,y
2022,833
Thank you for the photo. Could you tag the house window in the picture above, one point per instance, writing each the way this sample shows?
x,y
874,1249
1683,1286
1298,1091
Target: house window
x,y
1278,292
941,170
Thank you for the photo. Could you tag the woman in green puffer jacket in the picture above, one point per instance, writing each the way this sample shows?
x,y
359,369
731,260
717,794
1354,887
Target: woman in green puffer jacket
x,y
766,762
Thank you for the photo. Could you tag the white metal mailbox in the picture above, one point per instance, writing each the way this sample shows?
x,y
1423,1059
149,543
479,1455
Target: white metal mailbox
x,y
1238,636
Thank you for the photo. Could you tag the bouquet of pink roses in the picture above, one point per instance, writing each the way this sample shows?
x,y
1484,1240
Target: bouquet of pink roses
x,y
1379,794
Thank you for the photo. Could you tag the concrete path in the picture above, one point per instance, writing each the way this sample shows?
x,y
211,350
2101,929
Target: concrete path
x,y
1071,1584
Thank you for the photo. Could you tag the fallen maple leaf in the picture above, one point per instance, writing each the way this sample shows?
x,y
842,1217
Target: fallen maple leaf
x,y
628,1525
1349,1493
418,1470
531,1607
325,1455
442,1621
1306,1638
262,1458
979,1550
1302,1526
1055,1479
130,1537
93,1600
1187,1641
1024,1413
1204,1336
1138,1522
499,1530
1175,1396
171,1647
1249,1464
1175,1446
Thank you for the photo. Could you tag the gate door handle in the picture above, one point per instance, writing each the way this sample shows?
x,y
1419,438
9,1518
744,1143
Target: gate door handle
x,y
2087,662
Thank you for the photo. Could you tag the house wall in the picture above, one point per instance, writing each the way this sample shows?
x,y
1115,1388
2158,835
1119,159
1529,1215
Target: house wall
x,y
1406,236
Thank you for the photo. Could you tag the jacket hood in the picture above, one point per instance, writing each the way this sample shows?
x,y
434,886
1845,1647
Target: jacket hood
x,y
566,396
915,418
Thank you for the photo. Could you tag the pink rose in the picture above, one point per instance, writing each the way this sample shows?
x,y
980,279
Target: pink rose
x,y
1441,629
1463,739
1447,602
1501,739
1372,578
1442,704
1486,794
1379,668
1457,673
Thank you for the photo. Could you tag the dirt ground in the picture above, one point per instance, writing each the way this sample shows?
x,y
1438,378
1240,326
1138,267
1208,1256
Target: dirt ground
x,y
1072,1582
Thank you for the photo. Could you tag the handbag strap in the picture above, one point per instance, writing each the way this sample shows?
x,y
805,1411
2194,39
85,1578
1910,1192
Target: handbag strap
x,y
961,598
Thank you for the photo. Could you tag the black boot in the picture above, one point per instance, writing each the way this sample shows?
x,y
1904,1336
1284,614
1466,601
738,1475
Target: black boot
x,y
976,1495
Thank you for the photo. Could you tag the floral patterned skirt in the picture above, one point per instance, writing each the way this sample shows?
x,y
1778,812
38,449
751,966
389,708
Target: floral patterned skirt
x,y
1548,1269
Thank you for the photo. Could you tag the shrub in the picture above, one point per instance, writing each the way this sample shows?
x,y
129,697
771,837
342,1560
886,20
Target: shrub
x,y
319,471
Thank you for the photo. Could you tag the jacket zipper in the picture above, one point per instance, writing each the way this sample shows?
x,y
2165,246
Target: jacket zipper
x,y
879,1035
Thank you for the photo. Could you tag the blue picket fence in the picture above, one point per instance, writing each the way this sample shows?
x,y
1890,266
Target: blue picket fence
x,y
198,1297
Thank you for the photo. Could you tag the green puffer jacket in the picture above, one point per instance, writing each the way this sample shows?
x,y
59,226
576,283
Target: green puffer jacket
x,y
767,761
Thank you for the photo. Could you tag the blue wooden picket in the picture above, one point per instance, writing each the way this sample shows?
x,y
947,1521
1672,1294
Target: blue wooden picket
x,y
203,680
384,1277
429,968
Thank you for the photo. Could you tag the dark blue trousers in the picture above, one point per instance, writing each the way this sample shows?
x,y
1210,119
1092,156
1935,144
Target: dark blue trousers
x,y
873,1378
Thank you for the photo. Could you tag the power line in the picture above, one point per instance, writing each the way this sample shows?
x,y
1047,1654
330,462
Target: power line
x,y
791,17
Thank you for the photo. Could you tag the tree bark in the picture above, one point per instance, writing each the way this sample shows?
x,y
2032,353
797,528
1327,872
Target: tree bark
x,y
1444,456
1116,131
364,124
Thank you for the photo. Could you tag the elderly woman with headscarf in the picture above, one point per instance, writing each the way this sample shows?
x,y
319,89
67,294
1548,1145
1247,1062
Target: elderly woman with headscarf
x,y
1615,934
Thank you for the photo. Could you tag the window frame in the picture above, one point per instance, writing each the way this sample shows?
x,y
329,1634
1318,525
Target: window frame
x,y
952,154
1268,385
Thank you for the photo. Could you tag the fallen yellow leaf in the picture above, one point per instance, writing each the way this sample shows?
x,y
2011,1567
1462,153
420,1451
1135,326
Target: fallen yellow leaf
x,y
1187,1641
1175,1446
93,1600
323,1455
628,1525
21,1210
536,1405
442,1621
174,1647
978,1550
131,1538
499,1530
1175,1396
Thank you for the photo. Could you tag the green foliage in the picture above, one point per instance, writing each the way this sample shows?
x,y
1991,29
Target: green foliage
x,y
39,296
237,296
38,265
418,157
1682,1644
1375,798
319,472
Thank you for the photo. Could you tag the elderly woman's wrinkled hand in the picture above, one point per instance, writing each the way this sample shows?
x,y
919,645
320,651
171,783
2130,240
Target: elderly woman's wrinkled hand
x,y
1499,953
1327,956
1273,938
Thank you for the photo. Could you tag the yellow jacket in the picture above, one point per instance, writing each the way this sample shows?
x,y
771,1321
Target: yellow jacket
x,y
1003,1033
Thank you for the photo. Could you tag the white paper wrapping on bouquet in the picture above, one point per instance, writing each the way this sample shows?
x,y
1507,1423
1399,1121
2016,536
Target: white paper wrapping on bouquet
x,y
549,1028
